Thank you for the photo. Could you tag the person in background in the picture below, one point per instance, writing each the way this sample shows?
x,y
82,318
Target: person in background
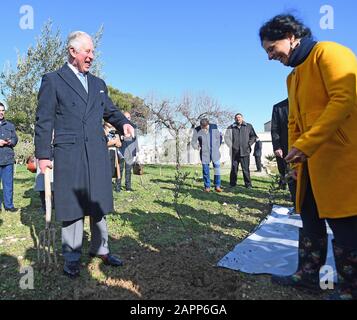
x,y
127,154
258,154
279,136
322,135
208,140
113,143
8,140
239,137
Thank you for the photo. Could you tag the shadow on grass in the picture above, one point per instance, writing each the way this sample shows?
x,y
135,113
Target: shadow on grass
x,y
10,277
161,260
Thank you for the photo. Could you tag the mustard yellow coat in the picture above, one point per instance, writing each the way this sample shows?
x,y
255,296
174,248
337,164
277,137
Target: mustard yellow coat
x,y
323,124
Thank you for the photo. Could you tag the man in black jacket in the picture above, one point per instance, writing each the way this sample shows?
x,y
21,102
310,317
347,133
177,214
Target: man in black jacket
x,y
239,137
258,154
279,135
8,140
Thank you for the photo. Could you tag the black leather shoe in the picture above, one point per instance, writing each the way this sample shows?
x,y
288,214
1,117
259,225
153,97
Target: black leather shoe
x,y
11,209
71,269
109,259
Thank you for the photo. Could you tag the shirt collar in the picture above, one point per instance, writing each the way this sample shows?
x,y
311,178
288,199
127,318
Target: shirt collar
x,y
75,70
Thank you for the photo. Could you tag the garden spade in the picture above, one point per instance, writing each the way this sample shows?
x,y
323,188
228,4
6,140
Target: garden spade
x,y
46,251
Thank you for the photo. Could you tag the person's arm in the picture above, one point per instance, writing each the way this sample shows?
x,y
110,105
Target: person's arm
x,y
275,129
12,141
136,144
114,142
45,115
228,137
252,136
337,66
194,141
115,117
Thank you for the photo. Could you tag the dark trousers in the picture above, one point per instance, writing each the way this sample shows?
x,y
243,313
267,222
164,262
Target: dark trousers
x,y
283,170
258,163
344,229
7,179
128,169
244,162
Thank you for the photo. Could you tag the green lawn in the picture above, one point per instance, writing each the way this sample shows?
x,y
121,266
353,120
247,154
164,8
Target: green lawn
x,y
165,257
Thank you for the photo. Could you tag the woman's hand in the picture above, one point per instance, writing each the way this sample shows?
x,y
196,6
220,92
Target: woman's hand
x,y
295,156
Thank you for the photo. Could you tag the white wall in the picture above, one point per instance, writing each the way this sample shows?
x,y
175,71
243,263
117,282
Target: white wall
x,y
165,148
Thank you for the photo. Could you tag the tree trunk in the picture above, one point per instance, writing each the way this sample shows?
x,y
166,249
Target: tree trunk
x,y
178,152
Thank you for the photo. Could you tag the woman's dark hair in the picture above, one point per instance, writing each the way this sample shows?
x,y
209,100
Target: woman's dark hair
x,y
280,26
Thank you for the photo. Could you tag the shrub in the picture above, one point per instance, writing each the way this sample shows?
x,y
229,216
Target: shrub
x,y
24,148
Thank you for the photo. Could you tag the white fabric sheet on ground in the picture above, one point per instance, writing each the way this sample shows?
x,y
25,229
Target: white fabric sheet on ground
x,y
273,246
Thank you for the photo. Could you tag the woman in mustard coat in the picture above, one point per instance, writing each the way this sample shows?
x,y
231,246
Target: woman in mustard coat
x,y
322,149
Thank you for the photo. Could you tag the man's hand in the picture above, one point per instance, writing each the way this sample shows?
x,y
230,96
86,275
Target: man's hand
x,y
295,156
43,164
128,131
279,153
3,143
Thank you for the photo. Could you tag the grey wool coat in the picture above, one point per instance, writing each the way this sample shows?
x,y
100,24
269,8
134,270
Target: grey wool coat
x,y
82,173
208,143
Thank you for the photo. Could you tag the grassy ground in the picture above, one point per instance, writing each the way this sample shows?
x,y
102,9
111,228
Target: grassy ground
x,y
165,257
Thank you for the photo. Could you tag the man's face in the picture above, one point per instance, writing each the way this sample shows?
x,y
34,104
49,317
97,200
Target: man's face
x,y
205,128
2,113
84,57
239,119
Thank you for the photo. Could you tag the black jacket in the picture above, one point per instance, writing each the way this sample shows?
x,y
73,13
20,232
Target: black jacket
x,y
7,154
240,140
279,126
258,149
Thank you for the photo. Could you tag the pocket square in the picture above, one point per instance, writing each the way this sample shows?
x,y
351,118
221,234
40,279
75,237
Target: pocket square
x,y
101,91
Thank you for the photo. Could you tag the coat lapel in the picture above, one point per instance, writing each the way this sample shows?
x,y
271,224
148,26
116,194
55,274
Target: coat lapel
x,y
71,79
293,102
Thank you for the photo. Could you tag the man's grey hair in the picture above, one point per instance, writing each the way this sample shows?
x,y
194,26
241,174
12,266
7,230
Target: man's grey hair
x,y
75,40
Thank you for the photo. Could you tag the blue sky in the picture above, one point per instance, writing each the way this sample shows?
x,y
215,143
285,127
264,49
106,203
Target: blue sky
x,y
169,47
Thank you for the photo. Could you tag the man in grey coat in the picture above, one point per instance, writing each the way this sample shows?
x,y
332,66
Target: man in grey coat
x,y
208,139
72,103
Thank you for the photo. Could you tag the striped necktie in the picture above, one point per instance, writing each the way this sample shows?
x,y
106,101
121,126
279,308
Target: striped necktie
x,y
83,80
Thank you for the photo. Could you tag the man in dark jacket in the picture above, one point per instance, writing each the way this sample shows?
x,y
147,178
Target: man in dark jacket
x,y
279,135
72,103
8,140
258,154
240,137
